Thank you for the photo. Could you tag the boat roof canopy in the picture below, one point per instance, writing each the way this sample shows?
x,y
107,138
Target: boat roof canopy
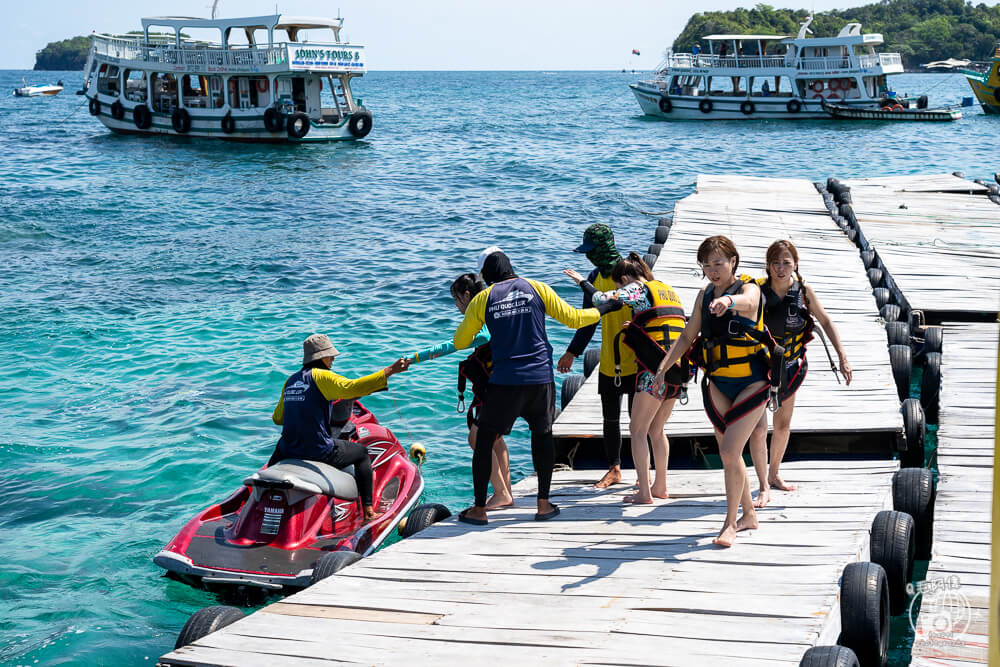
x,y
743,37
270,22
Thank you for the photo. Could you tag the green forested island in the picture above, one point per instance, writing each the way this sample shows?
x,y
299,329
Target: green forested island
x,y
69,54
920,30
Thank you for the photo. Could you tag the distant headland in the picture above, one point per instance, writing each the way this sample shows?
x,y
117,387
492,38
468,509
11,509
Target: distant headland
x,y
918,30
67,55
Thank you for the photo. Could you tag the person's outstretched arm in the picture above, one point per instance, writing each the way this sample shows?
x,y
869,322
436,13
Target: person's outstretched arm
x,y
442,349
559,310
816,308
472,323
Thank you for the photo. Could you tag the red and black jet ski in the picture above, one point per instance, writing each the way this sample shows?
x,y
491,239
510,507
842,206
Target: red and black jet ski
x,y
296,517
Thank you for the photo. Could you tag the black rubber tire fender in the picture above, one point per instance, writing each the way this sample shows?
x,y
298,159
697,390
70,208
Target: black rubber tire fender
x,y
654,249
591,360
913,493
661,234
298,125
94,106
933,339
875,277
748,107
228,123
892,545
117,110
829,656
423,516
915,432
795,106
142,117
570,385
901,360
930,386
331,563
864,613
882,296
206,621
922,102
868,259
705,106
274,121
890,312
666,106
650,259
852,233
180,120
898,333
360,124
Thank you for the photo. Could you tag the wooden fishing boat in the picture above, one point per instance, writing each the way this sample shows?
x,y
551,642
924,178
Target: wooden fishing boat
x,y
986,85
896,112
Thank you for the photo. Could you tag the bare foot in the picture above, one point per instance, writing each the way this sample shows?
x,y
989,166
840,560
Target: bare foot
x,y
613,476
660,492
779,484
498,502
638,499
726,537
763,498
370,514
747,523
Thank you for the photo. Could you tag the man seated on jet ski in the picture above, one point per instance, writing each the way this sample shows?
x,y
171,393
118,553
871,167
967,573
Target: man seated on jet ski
x,y
305,414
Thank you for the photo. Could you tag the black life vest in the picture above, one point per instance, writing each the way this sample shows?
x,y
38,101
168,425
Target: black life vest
x,y
476,368
730,342
788,318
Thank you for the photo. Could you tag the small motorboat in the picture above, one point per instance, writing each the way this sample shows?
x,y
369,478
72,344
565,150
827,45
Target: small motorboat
x,y
298,521
36,91
896,112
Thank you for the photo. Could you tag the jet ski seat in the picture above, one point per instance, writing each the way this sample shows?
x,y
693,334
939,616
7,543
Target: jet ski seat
x,y
306,478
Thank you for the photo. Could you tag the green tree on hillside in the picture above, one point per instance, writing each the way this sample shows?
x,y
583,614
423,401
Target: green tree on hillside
x,y
69,54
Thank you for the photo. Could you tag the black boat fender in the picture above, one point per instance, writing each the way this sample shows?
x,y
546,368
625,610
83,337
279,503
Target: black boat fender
x,y
360,124
793,106
666,106
298,125
705,106
117,110
748,107
142,117
180,119
206,621
228,123
95,106
273,120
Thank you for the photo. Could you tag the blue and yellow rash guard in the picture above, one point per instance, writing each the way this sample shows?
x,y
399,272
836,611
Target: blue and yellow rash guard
x,y
442,349
514,312
304,410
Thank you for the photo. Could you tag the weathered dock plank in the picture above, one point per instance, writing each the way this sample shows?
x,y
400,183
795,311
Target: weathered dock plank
x,y
605,583
952,626
754,212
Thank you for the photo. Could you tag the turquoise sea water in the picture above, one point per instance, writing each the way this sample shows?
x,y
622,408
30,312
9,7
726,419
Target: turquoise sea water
x,y
155,293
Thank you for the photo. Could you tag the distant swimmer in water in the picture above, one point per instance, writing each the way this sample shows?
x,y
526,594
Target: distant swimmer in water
x,y
733,349
658,320
305,413
789,308
476,370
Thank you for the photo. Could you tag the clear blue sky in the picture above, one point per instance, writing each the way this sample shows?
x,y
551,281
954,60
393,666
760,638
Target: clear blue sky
x,y
426,35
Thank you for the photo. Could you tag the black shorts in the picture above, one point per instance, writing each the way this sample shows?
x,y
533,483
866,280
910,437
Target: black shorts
x,y
536,403
472,414
606,384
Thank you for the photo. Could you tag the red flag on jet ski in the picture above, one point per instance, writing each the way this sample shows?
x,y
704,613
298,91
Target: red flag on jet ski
x,y
635,52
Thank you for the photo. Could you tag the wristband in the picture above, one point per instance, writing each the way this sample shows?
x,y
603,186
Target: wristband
x,y
732,302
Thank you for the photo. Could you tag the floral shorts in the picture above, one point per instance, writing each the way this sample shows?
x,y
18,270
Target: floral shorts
x,y
644,382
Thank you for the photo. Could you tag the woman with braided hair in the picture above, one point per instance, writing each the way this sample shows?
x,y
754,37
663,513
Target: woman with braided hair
x,y
789,308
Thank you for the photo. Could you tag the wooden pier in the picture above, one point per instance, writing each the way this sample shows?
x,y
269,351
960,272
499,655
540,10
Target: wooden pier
x,y
753,212
938,237
603,584
954,611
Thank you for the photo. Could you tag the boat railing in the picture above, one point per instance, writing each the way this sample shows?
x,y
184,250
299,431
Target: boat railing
x,y
706,60
885,59
328,57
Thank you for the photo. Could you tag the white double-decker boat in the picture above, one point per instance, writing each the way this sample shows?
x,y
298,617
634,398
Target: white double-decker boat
x,y
773,76
271,87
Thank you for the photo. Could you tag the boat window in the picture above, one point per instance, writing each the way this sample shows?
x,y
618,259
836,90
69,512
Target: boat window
x,y
249,92
164,87
135,85
771,86
107,80
291,91
727,85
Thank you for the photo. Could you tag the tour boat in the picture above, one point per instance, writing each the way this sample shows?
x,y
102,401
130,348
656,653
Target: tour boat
x,y
986,85
773,76
37,91
272,87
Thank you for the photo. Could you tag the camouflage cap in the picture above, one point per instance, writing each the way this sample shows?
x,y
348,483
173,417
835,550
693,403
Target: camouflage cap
x,y
595,235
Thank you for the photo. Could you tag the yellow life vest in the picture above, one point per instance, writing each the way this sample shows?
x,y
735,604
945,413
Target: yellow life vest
x,y
664,320
787,319
730,342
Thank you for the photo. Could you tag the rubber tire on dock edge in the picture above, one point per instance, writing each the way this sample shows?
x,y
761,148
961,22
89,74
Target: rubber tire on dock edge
x,y
930,386
915,432
829,656
933,339
331,563
893,545
913,493
206,621
898,333
864,613
570,385
901,360
661,234
423,516
882,296
591,360
649,259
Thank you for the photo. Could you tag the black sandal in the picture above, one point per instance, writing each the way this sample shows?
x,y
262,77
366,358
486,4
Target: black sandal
x,y
553,513
469,520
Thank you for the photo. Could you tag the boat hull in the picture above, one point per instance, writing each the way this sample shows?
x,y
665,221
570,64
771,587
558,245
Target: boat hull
x,y
685,107
248,127
988,96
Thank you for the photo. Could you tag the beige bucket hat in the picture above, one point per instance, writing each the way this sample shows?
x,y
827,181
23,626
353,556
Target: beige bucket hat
x,y
317,346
